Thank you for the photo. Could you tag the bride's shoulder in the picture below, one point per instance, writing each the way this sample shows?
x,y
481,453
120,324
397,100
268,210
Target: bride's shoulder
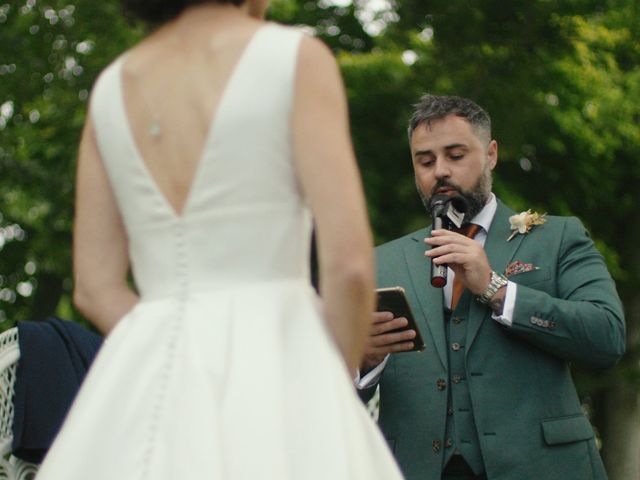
x,y
108,75
292,31
314,51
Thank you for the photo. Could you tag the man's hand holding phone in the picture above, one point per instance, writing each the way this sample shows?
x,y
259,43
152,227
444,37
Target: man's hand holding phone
x,y
387,335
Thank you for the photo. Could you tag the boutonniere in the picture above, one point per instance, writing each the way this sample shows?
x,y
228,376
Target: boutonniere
x,y
524,221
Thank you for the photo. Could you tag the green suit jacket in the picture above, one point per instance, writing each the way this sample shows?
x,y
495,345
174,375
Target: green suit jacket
x,y
529,419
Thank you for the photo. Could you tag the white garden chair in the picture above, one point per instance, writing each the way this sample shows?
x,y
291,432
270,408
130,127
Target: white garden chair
x,y
11,468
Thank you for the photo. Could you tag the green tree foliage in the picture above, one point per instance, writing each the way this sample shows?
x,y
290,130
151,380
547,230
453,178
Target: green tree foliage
x,y
336,24
50,55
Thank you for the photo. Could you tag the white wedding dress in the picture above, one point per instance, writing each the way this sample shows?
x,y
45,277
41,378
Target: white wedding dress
x,y
224,369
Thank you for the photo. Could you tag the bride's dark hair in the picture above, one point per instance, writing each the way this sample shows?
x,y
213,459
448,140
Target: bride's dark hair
x,y
157,11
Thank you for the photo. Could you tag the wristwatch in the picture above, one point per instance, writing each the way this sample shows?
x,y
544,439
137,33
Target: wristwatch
x,y
496,282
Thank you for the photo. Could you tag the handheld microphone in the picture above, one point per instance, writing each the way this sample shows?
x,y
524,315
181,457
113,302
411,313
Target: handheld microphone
x,y
446,212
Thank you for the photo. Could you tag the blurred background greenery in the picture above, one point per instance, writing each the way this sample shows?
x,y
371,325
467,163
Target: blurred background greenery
x,y
560,78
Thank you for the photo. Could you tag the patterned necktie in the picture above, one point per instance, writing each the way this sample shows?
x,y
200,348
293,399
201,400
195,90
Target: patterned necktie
x,y
468,230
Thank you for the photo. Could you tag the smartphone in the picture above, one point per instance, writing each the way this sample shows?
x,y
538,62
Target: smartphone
x,y
394,300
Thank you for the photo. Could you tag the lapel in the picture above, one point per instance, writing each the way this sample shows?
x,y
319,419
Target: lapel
x,y
429,298
500,253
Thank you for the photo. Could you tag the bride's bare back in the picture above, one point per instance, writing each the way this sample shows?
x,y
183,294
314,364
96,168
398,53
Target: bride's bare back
x,y
172,86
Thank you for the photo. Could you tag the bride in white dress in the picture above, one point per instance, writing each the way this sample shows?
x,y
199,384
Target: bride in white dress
x,y
207,149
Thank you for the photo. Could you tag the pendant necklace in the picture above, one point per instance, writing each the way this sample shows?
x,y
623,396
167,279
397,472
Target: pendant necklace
x,y
155,109
154,128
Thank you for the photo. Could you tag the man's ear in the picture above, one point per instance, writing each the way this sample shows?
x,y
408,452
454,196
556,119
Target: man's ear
x,y
492,154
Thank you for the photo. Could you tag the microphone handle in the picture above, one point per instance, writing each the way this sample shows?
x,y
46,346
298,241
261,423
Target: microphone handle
x,y
438,272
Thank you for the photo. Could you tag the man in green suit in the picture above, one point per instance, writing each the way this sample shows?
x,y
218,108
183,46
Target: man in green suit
x,y
491,396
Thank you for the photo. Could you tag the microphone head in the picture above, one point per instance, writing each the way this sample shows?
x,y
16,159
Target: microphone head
x,y
437,204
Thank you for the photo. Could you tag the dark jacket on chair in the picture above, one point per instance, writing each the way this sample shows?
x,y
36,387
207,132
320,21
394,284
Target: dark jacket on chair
x,y
55,355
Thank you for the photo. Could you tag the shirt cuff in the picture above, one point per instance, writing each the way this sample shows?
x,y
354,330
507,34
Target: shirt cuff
x,y
372,377
506,318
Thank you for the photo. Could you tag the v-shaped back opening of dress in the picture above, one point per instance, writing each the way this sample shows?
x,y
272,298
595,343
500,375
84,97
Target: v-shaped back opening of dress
x,y
148,137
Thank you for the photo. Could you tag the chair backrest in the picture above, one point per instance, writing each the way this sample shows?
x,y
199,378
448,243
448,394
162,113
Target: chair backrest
x,y
11,468
9,355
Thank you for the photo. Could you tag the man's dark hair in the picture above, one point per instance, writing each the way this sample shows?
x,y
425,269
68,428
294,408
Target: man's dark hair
x,y
158,11
435,107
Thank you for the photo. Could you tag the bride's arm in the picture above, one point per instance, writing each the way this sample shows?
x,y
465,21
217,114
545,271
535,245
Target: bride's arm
x,y
100,257
331,182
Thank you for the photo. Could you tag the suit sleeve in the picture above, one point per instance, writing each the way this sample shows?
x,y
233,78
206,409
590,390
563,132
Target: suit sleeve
x,y
582,321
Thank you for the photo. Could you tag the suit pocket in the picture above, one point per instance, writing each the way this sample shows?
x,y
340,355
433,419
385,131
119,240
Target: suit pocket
x,y
532,277
557,431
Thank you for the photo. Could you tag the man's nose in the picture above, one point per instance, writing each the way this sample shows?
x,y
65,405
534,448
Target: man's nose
x,y
442,169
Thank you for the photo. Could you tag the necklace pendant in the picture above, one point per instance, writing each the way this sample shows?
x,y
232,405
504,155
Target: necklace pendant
x,y
154,128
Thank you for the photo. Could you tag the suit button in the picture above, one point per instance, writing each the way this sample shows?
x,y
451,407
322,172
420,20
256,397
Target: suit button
x,y
436,445
441,384
456,320
539,322
455,346
448,443
456,379
450,410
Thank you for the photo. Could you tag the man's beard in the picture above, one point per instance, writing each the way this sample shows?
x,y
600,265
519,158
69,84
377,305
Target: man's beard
x,y
477,197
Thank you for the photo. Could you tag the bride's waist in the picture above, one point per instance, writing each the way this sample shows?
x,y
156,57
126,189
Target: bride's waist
x,y
223,286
